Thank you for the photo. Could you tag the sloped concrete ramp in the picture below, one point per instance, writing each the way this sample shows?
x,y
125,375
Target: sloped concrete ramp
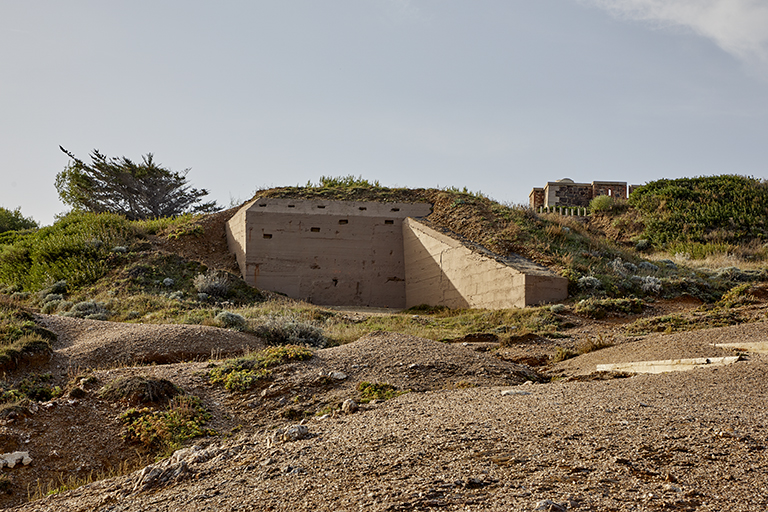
x,y
442,270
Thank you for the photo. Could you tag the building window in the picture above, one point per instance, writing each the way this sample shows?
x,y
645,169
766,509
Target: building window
x,y
395,209
315,230
321,206
343,221
267,235
389,222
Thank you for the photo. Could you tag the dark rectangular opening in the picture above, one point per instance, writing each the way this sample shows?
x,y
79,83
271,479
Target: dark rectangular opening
x,y
267,235
395,209
314,230
291,206
389,222
262,205
361,208
343,221
321,206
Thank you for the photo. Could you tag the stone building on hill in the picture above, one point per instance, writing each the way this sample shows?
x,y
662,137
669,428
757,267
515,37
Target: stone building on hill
x,y
566,192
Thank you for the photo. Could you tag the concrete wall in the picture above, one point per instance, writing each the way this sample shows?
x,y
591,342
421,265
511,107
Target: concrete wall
x,y
325,252
440,270
374,254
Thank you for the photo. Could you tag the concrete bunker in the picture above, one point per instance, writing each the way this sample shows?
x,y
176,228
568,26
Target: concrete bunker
x,y
376,254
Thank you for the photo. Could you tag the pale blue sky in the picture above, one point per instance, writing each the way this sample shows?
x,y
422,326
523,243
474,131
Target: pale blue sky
x,y
495,95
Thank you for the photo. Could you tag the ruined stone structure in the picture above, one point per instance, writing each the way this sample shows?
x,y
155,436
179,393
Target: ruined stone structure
x,y
565,192
376,254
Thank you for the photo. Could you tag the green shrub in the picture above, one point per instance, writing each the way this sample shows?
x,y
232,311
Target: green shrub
x,y
243,373
76,249
13,220
237,379
738,296
232,321
721,209
349,181
214,283
601,204
88,309
140,389
377,391
561,354
166,430
37,387
290,330
600,308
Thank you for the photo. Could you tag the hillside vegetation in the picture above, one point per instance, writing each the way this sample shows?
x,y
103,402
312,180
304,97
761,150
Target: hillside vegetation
x,y
103,266
725,209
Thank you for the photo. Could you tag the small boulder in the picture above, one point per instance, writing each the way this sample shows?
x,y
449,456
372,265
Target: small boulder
x,y
288,434
349,406
11,459
550,506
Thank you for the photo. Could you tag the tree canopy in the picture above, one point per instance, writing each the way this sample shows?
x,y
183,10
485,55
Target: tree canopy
x,y
13,220
137,190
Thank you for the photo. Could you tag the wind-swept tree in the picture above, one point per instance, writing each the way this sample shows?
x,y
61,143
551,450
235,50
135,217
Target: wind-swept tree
x,y
137,190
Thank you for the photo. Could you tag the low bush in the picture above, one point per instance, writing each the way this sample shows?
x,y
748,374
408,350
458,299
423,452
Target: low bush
x,y
243,373
89,310
13,220
561,354
214,283
76,248
377,391
600,308
36,387
592,344
166,430
290,330
140,389
232,321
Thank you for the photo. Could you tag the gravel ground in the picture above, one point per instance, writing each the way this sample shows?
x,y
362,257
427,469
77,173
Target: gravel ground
x,y
679,441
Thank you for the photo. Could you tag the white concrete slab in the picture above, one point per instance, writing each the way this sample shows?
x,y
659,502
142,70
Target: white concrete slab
x,y
760,347
667,365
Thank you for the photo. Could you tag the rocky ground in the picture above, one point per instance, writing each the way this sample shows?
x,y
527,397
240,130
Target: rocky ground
x,y
474,432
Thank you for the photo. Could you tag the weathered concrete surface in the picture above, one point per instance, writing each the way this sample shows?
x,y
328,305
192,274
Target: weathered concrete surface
x,y
373,254
759,347
325,252
667,365
440,270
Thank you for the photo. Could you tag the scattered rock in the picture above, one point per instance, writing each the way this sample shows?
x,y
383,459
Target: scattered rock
x,y
288,434
550,506
349,406
510,392
11,459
